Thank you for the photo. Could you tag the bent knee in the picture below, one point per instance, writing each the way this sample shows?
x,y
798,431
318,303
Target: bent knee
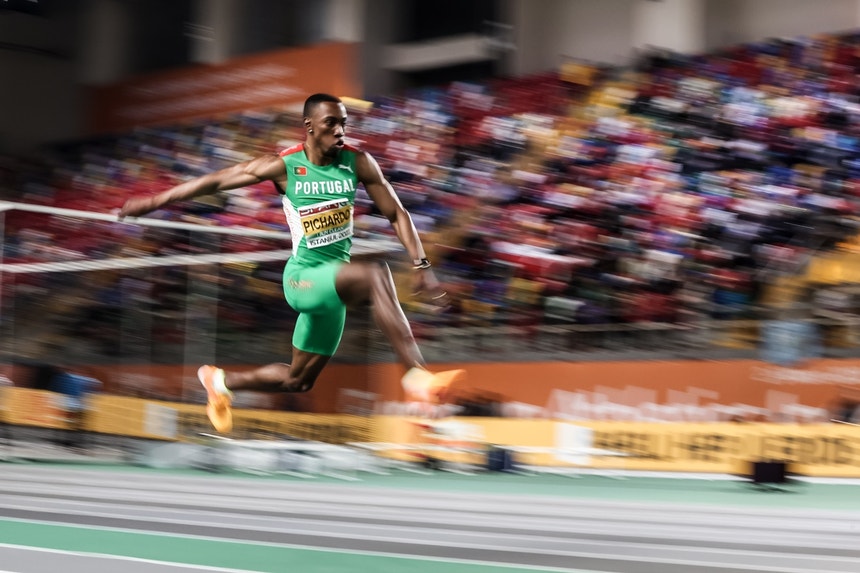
x,y
301,384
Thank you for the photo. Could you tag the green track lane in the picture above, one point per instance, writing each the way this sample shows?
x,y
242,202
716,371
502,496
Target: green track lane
x,y
229,554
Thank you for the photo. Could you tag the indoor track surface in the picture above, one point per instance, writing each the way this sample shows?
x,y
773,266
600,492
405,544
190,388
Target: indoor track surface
x,y
79,519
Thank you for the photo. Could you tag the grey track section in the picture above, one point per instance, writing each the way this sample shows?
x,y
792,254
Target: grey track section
x,y
522,530
26,561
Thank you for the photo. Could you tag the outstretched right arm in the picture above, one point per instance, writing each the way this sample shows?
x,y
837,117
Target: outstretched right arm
x,y
264,168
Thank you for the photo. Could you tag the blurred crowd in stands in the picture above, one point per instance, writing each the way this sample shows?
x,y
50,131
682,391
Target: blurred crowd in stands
x,y
675,190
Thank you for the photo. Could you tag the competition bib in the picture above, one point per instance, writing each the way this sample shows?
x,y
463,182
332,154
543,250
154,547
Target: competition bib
x,y
326,223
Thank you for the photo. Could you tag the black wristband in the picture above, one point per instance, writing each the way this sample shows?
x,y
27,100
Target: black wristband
x,y
421,264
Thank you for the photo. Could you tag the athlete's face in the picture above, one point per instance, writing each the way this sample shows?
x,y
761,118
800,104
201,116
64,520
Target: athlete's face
x,y
327,126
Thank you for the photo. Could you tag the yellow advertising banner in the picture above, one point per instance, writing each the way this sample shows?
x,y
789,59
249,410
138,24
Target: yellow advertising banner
x,y
831,450
174,421
820,449
26,407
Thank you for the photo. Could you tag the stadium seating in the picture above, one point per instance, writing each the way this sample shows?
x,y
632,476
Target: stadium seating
x,y
602,202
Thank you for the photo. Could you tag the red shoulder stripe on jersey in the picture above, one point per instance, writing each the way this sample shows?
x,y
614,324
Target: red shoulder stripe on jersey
x,y
290,150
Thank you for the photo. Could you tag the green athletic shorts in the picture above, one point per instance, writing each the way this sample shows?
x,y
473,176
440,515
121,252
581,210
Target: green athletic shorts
x,y
311,292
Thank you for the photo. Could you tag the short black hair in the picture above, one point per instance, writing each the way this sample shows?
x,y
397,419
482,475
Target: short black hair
x,y
315,100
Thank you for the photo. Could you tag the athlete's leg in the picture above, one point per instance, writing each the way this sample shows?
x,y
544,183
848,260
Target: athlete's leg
x,y
298,376
354,284
277,377
362,283
316,337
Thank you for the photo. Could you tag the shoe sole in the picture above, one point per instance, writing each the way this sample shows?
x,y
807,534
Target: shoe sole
x,y
442,382
218,407
436,387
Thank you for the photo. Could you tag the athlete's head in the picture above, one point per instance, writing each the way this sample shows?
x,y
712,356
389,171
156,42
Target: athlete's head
x,y
325,122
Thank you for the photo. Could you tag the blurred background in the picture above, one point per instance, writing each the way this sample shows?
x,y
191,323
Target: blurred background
x,y
644,210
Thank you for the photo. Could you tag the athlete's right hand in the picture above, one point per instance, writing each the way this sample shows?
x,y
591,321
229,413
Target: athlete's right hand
x,y
136,206
428,287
